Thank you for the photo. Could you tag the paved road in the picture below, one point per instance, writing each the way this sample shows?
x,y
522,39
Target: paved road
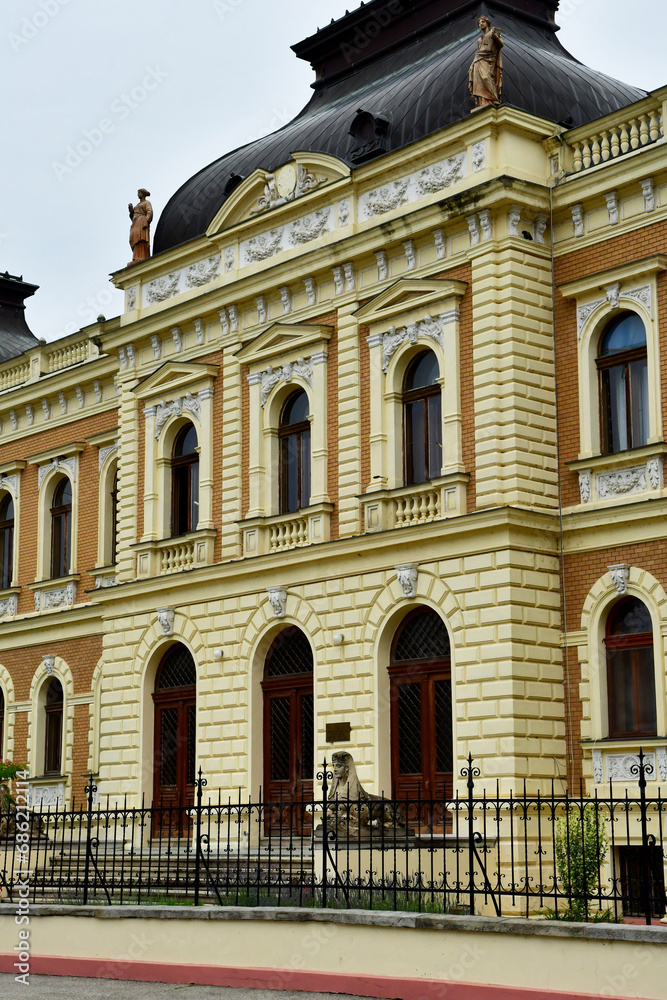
x,y
57,988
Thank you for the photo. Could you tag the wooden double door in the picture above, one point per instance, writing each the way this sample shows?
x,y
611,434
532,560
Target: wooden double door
x,y
175,743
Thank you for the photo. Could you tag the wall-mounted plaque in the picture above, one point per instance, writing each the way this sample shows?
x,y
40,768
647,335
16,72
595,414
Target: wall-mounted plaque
x,y
338,732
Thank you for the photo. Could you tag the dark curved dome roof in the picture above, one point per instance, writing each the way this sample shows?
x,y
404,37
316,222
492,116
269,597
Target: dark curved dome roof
x,y
415,74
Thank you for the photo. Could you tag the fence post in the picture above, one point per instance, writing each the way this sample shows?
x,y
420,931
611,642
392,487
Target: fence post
x,y
325,832
646,856
89,790
200,785
471,773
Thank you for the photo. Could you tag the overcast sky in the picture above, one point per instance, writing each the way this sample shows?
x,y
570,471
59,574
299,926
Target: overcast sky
x,y
215,74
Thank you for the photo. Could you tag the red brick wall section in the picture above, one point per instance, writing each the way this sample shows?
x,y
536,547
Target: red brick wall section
x,y
610,253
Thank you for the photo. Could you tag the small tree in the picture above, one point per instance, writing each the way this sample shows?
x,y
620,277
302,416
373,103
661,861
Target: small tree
x,y
8,772
581,849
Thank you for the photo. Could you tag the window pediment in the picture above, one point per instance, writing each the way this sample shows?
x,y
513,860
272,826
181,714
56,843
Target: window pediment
x,y
407,295
173,378
264,190
282,340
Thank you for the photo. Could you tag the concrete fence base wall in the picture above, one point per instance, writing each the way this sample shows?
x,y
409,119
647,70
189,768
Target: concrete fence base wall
x,y
383,955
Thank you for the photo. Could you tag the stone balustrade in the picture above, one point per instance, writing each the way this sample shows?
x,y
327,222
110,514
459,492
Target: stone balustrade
x,y
70,354
167,556
14,375
281,532
410,506
417,508
624,136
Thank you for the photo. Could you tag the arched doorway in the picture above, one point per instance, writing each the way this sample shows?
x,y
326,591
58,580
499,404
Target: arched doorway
x,y
421,708
174,758
289,748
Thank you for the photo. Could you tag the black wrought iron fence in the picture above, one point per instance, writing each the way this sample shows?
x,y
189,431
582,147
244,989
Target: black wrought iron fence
x,y
573,857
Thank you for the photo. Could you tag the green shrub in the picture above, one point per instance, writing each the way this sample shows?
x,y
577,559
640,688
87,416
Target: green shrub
x,y
581,849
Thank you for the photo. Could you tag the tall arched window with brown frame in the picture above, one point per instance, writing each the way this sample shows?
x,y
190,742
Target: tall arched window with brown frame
x,y
6,541
53,729
61,529
2,723
630,670
422,419
185,482
294,437
623,367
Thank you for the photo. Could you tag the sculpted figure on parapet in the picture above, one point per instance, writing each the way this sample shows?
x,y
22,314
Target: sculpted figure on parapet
x,y
485,78
354,812
140,230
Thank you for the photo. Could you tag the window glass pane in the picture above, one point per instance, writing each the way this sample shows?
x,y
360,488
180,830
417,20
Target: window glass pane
x,y
621,692
280,739
422,637
305,468
625,333
194,496
629,617
54,720
307,737
7,508
63,494
444,749
434,437
6,554
181,506
645,684
415,425
618,411
423,371
186,442
409,728
177,670
192,744
290,474
168,747
290,653
639,398
296,410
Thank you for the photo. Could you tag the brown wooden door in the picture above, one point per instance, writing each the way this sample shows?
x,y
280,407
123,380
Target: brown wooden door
x,y
175,747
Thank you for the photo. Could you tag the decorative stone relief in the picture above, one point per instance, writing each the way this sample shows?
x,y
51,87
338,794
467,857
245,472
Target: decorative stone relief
x,y
131,298
270,377
29,414
613,208
166,617
344,212
654,470
350,273
177,335
106,452
644,296
285,185
263,246
339,280
514,220
278,601
174,408
310,227
428,327
311,290
49,665
648,190
62,597
230,258
262,309
625,766
442,175
234,318
383,264
47,796
578,220
131,356
68,465
407,577
618,484
200,331
474,230
9,606
163,288
122,357
620,576
486,223
286,299
38,600
585,486
14,419
613,294
62,399
440,244
385,199
46,407
598,769
202,272
478,152
662,763
585,312
410,254
97,389
541,223
156,344
224,321
11,484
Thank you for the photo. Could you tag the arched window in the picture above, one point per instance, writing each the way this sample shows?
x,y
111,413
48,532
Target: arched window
x,y
622,364
289,749
294,435
185,482
2,723
422,420
53,728
421,707
6,541
630,670
113,518
61,529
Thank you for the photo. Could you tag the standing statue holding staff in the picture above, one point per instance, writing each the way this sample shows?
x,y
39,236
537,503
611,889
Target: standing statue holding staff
x,y
140,231
485,78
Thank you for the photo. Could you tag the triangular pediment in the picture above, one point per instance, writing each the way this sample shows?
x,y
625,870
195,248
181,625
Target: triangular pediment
x,y
409,293
263,191
174,377
283,338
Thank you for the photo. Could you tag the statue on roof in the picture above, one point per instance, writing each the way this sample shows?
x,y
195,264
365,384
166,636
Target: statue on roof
x,y
485,78
140,231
